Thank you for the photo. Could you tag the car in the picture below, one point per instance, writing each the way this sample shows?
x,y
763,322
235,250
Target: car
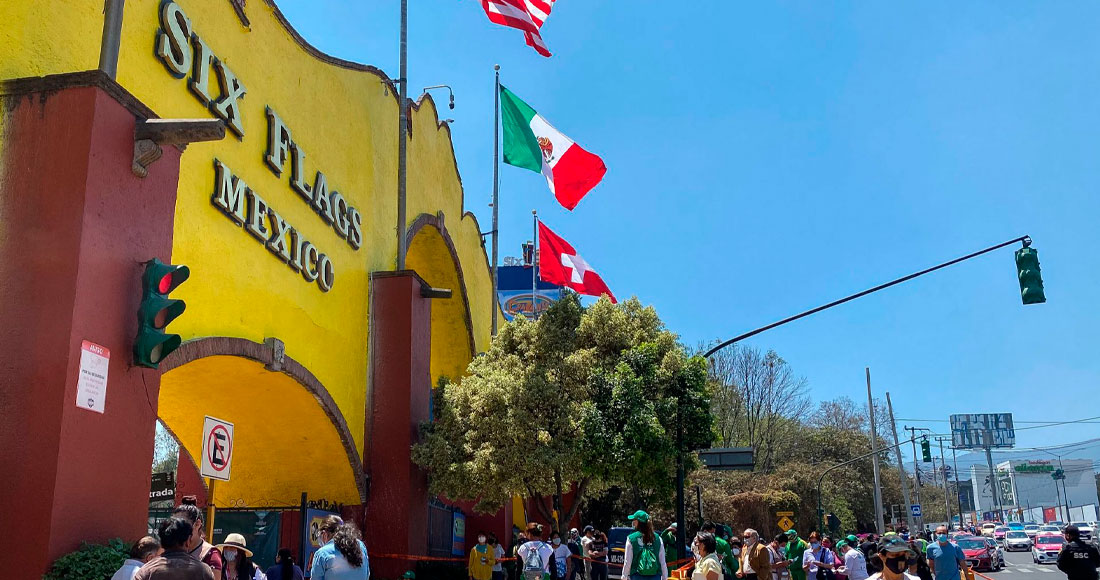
x,y
987,529
981,553
1017,540
616,551
999,533
1050,529
1046,548
1031,530
996,546
1085,529
1019,526
1058,524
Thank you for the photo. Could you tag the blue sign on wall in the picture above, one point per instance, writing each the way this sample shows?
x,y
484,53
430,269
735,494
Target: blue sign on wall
x,y
458,534
514,291
915,508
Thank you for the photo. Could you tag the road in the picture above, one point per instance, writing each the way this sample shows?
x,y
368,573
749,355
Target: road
x,y
1019,566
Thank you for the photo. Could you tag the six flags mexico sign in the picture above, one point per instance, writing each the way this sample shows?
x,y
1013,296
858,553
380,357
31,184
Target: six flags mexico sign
x,y
186,55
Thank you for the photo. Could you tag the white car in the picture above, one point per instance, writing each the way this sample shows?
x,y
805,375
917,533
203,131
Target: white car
x,y
1017,540
1031,530
988,528
1086,530
1046,548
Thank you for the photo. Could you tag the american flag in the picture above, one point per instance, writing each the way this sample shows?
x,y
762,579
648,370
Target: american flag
x,y
526,15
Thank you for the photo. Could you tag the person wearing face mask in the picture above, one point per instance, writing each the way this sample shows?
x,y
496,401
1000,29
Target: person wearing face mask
x,y
855,565
561,561
895,556
796,549
482,559
722,549
817,562
945,559
644,553
778,550
707,565
755,560
238,559
498,553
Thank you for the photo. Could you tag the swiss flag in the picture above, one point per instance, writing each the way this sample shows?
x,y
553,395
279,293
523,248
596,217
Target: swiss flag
x,y
560,264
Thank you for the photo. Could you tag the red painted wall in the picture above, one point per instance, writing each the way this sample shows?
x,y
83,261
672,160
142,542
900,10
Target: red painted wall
x,y
397,506
76,227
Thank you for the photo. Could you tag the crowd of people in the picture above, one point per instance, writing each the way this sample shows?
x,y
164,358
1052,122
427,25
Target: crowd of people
x,y
179,551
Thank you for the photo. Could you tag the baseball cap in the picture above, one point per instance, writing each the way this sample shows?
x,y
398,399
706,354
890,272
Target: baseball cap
x,y
792,533
896,545
842,544
589,529
852,539
639,515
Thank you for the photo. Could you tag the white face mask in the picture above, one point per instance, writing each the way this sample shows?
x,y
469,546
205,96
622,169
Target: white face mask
x,y
557,541
481,539
735,551
230,555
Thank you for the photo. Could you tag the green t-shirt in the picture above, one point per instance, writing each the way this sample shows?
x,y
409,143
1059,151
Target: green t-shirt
x,y
725,554
671,553
794,552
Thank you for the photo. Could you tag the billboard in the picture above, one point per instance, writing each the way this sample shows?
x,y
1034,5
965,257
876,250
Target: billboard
x,y
514,292
978,431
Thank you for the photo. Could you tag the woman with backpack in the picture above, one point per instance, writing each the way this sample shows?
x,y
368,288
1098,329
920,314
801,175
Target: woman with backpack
x,y
533,557
644,557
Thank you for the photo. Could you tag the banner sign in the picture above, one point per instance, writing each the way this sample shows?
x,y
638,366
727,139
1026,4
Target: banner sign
x,y
458,534
163,487
260,530
979,431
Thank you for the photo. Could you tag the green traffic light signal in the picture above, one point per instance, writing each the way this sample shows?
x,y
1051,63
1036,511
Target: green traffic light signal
x,y
156,311
926,450
1031,280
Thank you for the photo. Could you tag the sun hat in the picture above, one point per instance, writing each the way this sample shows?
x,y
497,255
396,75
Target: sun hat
x,y
639,515
234,541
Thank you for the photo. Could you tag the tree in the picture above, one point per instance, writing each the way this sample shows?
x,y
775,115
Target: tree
x,y
756,397
579,400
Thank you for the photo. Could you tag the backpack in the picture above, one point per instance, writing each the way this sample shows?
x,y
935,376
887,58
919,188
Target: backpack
x,y
532,563
645,556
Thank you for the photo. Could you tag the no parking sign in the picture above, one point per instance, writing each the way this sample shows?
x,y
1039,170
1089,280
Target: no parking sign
x,y
217,448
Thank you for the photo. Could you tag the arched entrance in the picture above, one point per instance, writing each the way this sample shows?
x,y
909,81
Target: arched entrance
x,y
289,435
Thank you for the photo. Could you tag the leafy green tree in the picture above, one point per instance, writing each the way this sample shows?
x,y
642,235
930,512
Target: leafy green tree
x,y
577,401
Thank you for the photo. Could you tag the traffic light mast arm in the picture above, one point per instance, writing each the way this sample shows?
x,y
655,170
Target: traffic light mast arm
x,y
1025,239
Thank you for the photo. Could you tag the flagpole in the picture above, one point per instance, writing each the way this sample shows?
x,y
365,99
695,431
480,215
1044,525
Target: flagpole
x,y
496,192
402,132
535,266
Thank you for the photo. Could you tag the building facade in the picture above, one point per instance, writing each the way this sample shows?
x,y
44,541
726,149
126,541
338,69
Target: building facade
x,y
1026,485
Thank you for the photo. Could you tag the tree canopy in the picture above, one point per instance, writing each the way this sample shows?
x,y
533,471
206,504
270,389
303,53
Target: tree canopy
x,y
580,400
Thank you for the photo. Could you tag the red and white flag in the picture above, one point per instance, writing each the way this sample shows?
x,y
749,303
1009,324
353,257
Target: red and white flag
x,y
526,15
560,264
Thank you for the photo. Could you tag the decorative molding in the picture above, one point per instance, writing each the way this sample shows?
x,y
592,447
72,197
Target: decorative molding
x,y
267,353
238,7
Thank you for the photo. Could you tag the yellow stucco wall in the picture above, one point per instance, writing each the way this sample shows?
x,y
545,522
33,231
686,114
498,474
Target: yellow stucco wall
x,y
345,120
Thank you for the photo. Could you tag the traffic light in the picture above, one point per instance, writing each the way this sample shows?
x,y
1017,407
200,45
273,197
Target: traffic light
x,y
1058,474
156,311
1031,279
926,450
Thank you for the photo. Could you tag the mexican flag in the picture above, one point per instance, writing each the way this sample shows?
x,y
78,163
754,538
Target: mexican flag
x,y
532,143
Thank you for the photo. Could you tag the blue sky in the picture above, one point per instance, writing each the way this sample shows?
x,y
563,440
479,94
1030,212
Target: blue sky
x,y
767,157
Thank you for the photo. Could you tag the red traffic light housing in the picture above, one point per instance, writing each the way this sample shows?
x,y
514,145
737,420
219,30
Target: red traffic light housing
x,y
157,311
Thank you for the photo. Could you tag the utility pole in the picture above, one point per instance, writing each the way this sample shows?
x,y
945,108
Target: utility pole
x,y
901,466
879,516
916,469
946,502
987,440
958,494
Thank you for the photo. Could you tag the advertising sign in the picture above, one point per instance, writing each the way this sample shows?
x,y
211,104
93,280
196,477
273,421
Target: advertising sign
x,y
260,530
514,292
458,534
978,431
217,449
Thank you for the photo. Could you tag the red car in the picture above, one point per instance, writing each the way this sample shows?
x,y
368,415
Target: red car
x,y
981,553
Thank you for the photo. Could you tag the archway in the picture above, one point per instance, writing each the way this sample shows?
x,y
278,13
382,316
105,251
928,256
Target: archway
x,y
289,436
432,255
